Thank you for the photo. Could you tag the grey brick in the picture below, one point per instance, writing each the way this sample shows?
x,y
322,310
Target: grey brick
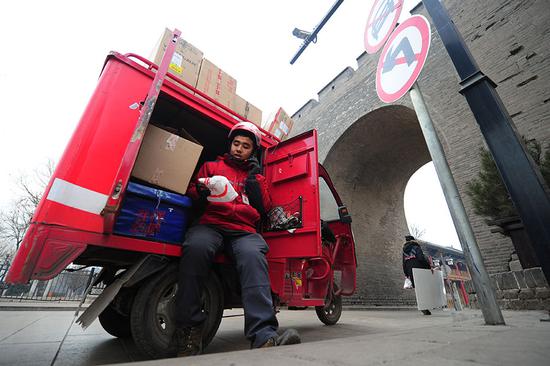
x,y
534,305
509,281
515,304
529,279
515,265
498,280
520,279
526,294
542,293
538,276
510,294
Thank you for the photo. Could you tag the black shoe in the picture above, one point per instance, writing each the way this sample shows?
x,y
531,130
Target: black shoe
x,y
289,336
426,312
188,341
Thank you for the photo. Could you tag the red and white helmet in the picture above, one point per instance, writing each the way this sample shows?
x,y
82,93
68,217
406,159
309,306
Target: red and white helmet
x,y
249,127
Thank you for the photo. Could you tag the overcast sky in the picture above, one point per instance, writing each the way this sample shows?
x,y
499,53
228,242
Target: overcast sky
x,y
53,52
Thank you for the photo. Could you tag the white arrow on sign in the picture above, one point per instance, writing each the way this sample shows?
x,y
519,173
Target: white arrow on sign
x,y
402,58
381,22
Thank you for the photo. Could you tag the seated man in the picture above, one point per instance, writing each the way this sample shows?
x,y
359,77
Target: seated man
x,y
233,223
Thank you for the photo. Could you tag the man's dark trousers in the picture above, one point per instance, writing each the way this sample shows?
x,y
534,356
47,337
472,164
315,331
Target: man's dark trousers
x,y
248,251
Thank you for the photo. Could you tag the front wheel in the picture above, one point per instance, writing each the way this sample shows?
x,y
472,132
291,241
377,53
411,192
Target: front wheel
x,y
332,310
153,313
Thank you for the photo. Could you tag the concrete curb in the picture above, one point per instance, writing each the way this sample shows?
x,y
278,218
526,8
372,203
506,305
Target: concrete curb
x,y
41,306
45,306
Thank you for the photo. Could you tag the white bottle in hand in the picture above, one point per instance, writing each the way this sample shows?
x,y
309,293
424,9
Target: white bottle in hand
x,y
220,188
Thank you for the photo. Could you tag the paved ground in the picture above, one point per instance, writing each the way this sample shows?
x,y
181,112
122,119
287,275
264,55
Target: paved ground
x,y
362,337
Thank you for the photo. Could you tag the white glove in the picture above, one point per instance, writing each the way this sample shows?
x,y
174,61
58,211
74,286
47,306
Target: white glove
x,y
220,188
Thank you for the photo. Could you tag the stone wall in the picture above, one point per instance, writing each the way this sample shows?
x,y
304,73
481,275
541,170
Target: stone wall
x,y
511,42
517,290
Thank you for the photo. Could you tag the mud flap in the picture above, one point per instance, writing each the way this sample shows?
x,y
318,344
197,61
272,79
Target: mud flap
x,y
148,265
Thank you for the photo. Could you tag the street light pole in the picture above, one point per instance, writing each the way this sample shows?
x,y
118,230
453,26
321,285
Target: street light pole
x,y
316,30
519,174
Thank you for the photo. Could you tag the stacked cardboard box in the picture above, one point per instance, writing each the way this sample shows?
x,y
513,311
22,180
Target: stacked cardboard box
x,y
247,110
166,160
189,65
216,83
281,125
186,61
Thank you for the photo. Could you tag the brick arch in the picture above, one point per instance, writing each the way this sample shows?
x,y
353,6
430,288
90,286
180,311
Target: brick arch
x,y
370,164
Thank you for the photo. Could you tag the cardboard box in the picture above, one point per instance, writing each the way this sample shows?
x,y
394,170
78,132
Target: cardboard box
x,y
166,160
216,83
186,61
281,125
247,110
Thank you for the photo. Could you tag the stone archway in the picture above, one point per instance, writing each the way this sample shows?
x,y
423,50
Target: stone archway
x,y
370,164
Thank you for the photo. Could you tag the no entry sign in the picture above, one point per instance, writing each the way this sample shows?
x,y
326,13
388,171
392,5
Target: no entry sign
x,y
381,22
402,58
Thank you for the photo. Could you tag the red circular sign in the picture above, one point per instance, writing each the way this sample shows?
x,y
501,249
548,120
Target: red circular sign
x,y
381,22
402,58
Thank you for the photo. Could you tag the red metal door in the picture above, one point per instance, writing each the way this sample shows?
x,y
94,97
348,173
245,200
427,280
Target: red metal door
x,y
291,168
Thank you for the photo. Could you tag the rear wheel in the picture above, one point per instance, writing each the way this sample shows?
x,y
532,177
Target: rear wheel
x,y
332,310
115,319
153,313
115,323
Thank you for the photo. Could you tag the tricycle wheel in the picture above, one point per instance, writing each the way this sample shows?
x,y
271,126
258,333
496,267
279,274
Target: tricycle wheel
x,y
332,310
153,313
115,323
115,319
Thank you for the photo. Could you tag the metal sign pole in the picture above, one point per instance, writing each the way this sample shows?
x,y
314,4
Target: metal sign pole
x,y
482,283
519,174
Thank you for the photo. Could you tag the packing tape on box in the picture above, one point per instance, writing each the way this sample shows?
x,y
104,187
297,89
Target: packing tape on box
x,y
171,142
155,177
283,127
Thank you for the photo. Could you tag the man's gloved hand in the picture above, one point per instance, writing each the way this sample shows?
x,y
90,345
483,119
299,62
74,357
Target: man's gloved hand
x,y
202,190
254,166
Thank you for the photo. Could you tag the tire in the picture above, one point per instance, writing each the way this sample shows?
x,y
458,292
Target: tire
x,y
332,310
153,313
114,323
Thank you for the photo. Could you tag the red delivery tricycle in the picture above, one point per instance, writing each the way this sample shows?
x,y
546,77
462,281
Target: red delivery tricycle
x,y
99,210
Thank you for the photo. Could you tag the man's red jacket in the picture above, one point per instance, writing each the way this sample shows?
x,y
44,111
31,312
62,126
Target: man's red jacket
x,y
234,215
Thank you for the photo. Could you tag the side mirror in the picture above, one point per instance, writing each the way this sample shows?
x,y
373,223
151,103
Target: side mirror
x,y
343,212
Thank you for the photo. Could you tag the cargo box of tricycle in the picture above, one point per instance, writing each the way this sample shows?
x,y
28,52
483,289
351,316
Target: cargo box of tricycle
x,y
98,211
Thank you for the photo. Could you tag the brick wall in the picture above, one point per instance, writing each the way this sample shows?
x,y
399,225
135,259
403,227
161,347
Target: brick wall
x,y
371,148
517,290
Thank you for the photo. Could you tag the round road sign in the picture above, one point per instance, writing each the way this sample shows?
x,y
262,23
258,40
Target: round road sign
x,y
381,22
402,58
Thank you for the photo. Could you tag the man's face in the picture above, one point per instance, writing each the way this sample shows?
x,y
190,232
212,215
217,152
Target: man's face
x,y
241,147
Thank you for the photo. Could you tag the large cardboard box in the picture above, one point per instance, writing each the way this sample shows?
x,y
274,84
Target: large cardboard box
x,y
247,110
281,125
186,61
166,160
216,83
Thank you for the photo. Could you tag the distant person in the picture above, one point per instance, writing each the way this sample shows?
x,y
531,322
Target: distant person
x,y
413,257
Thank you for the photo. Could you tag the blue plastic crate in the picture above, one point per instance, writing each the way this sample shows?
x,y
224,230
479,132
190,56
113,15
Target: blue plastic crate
x,y
153,214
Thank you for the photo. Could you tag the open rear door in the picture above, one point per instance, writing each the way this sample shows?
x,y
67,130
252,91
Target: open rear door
x,y
291,169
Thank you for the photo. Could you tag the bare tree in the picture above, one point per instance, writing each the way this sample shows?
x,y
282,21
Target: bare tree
x,y
417,231
15,220
6,251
